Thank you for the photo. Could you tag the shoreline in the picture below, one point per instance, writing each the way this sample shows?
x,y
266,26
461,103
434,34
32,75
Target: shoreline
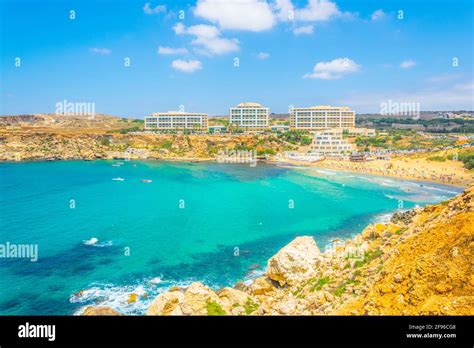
x,y
322,165
283,162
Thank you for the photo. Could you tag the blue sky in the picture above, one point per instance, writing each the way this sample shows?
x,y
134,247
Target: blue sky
x,y
357,53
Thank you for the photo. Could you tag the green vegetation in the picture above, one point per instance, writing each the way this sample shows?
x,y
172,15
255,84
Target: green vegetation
x,y
243,147
341,289
380,141
318,284
467,158
128,130
213,308
296,137
368,256
166,144
266,152
104,142
437,158
250,306
435,125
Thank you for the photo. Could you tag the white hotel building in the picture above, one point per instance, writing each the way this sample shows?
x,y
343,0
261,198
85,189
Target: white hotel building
x,y
249,116
321,117
176,121
331,142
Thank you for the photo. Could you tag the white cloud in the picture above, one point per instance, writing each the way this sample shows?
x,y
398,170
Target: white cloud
x,y
171,50
179,28
251,15
333,70
101,51
187,66
406,64
208,39
263,55
306,29
153,10
315,10
284,10
378,15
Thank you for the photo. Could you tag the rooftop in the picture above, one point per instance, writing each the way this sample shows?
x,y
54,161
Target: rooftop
x,y
325,107
176,113
247,104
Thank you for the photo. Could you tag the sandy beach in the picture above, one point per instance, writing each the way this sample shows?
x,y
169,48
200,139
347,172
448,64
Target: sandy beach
x,y
413,167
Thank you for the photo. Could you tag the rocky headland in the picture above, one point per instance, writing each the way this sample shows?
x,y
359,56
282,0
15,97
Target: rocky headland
x,y
420,263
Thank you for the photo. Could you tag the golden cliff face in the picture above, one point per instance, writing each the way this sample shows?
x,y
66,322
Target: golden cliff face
x,y
430,269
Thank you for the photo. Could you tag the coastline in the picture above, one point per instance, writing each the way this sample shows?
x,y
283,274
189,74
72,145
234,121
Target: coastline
x,y
320,164
461,183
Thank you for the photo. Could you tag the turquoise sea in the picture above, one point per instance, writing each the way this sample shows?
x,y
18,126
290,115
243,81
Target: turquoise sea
x,y
209,222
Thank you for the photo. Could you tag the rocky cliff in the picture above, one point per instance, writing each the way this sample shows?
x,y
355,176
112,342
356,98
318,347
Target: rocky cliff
x,y
418,264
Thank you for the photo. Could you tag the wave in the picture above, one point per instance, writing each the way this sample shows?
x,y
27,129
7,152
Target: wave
x,y
132,299
95,242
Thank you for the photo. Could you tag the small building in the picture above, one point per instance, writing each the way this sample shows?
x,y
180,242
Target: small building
x,y
331,142
217,129
366,132
357,157
280,128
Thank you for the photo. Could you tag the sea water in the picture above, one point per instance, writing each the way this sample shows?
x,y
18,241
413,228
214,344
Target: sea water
x,y
100,240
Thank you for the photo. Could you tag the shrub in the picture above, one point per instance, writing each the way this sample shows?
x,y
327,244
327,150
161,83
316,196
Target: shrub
x,y
250,306
104,142
213,308
437,158
318,285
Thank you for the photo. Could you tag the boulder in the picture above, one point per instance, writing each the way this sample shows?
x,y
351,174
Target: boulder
x,y
261,286
296,262
101,310
167,303
196,299
231,298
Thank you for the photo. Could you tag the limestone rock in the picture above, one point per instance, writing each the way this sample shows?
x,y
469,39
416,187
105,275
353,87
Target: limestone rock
x,y
231,298
295,262
101,310
261,286
196,298
167,303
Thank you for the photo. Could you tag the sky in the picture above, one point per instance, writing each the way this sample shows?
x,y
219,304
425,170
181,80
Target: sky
x,y
132,58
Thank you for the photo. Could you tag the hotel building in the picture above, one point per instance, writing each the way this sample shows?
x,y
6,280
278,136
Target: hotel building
x,y
331,142
249,116
321,117
176,120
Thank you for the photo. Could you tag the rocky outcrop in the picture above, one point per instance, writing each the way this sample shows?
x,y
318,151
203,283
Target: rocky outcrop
x,y
196,299
100,311
295,262
168,303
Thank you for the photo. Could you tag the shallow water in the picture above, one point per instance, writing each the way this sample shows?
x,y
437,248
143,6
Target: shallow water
x,y
195,221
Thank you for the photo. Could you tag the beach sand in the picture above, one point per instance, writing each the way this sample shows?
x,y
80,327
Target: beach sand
x,y
412,166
